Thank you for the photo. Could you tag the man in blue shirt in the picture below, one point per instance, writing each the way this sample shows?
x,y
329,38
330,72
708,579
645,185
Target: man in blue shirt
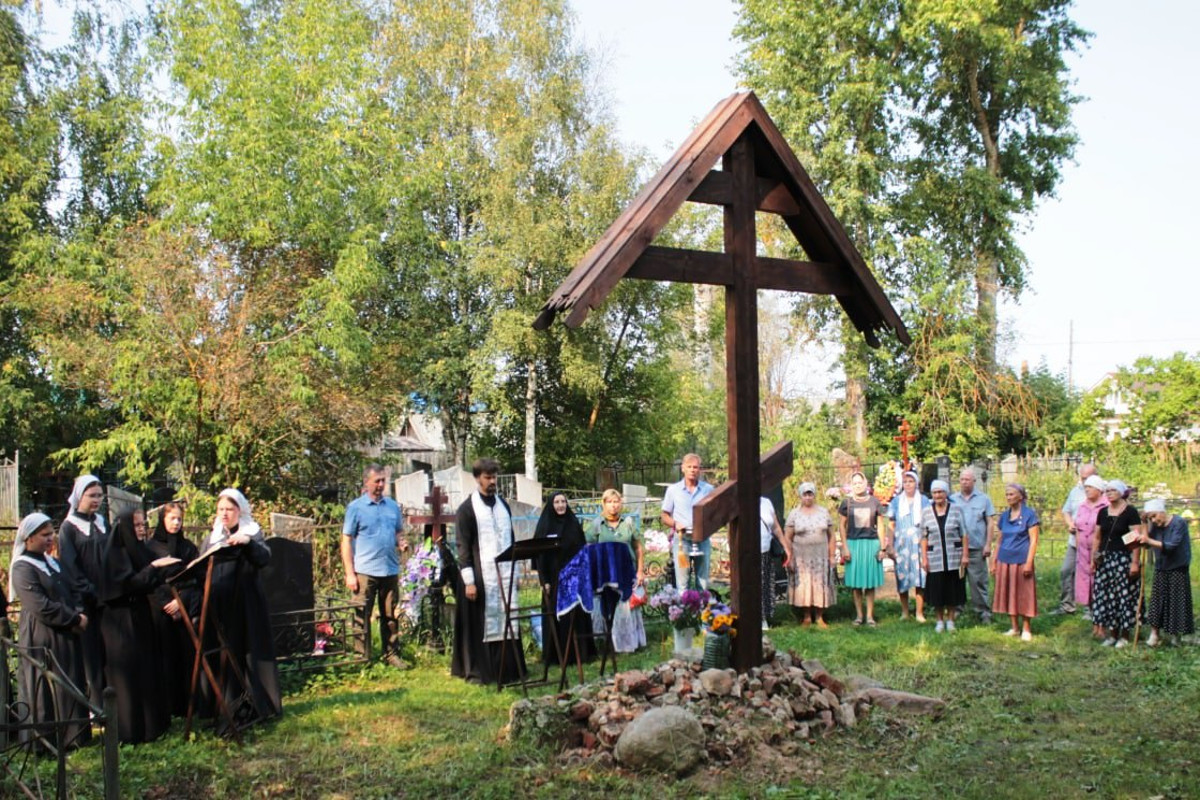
x,y
371,544
677,517
980,517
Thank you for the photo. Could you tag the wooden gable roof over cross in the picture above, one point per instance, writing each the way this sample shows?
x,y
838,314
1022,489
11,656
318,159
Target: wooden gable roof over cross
x,y
759,172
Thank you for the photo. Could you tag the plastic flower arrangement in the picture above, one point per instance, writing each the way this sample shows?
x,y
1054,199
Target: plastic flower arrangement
x,y
683,608
421,570
887,481
719,618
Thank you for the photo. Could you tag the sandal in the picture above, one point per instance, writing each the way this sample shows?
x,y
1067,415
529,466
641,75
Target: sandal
x,y
870,623
857,621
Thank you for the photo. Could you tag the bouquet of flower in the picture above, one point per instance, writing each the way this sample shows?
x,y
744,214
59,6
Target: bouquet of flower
x,y
887,482
719,618
423,568
683,608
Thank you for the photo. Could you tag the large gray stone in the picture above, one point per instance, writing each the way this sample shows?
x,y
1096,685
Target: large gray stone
x,y
718,682
904,701
538,723
667,739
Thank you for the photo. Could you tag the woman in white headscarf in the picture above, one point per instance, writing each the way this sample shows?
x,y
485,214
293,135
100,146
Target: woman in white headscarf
x,y
906,511
82,543
1171,594
238,604
52,620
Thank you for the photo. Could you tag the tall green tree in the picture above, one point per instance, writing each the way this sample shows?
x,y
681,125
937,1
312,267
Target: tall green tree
x,y
933,127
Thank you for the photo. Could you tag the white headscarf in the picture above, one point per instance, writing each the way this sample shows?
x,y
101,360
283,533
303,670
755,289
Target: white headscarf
x,y
82,484
28,525
246,524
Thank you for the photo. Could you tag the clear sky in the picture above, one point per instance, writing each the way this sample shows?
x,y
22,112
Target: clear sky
x,y
1112,252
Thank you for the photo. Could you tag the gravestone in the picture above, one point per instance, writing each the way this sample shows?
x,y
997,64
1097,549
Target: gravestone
x,y
529,491
943,469
411,489
120,501
1008,468
288,579
288,526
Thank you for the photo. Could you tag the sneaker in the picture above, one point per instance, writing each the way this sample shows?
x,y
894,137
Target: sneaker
x,y
397,662
986,618
1026,636
949,624
939,627
1153,640
1121,643
1109,642
1010,632
1087,616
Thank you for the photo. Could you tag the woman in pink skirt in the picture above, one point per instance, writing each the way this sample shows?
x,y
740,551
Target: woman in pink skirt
x,y
1016,583
1085,541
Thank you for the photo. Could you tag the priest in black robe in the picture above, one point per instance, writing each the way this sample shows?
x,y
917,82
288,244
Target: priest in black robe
x,y
82,541
484,530
238,605
52,619
176,652
558,522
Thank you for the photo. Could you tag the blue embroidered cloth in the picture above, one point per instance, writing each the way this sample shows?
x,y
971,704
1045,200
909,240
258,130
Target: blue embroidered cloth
x,y
595,567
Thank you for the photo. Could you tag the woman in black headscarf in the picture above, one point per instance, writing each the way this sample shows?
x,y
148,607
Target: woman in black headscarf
x,y
176,651
559,522
131,574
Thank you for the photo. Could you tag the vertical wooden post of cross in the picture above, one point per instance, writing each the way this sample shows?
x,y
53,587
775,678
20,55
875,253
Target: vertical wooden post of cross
x,y
741,376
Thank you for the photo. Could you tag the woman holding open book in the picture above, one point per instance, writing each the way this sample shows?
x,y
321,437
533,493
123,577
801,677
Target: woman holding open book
x,y
1114,563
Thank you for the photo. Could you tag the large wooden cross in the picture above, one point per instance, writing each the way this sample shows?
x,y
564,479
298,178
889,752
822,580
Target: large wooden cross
x,y
759,173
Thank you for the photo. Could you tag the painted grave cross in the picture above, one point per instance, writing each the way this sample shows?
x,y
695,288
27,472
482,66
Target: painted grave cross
x,y
905,439
436,501
759,172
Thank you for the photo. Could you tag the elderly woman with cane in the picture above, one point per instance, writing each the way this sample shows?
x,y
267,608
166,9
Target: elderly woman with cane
x,y
1170,612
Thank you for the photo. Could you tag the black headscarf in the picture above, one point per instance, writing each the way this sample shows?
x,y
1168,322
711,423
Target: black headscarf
x,y
567,528
163,543
124,558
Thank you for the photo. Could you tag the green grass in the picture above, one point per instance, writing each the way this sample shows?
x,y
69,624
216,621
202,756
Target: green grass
x,y
1059,717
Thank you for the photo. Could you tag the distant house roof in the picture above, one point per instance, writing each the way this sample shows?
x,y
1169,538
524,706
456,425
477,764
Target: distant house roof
x,y
783,188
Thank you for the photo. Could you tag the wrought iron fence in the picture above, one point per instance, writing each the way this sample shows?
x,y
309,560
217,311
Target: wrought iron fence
x,y
330,634
25,737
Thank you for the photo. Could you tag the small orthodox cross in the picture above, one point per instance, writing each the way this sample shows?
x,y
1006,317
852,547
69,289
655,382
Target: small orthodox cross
x,y
436,501
905,438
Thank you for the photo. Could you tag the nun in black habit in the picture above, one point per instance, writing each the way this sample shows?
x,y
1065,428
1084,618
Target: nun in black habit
x,y
52,620
238,604
82,540
558,521
176,651
131,574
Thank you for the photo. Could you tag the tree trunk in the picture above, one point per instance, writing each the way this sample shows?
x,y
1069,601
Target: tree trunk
x,y
531,422
854,362
987,285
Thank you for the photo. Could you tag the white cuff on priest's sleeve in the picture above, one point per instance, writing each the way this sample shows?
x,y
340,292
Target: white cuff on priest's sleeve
x,y
468,576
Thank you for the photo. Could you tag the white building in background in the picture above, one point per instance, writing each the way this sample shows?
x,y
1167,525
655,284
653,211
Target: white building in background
x,y
1118,403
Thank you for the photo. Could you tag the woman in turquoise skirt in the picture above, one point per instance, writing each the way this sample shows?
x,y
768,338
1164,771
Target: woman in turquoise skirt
x,y
866,542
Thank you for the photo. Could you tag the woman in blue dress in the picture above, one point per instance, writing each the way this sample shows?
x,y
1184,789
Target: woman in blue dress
x,y
906,512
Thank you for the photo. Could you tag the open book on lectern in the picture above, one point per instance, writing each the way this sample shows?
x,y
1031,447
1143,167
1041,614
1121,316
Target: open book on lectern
x,y
221,551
